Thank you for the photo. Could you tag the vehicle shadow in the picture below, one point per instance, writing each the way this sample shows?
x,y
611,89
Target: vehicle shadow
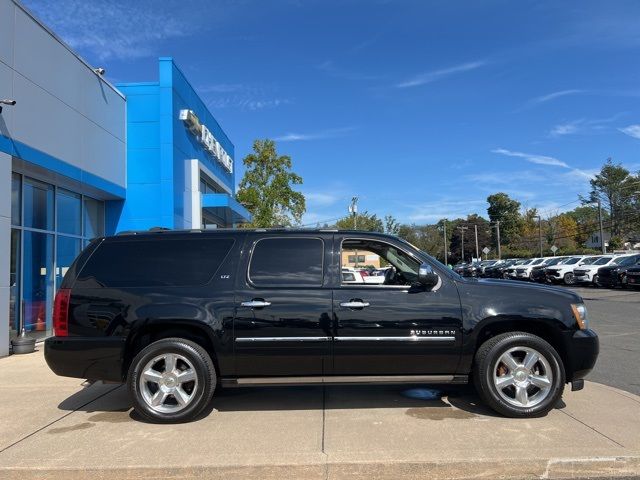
x,y
110,403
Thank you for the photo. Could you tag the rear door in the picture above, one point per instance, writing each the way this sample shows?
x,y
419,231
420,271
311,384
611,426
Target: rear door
x,y
282,322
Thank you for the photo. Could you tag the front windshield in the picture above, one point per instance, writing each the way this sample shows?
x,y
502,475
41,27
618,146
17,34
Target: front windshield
x,y
571,261
626,261
591,261
602,261
555,261
538,261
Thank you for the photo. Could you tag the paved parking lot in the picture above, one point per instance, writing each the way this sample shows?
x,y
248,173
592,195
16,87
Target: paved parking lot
x,y
615,315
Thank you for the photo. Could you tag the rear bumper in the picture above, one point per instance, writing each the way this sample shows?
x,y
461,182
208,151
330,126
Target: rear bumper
x,y
86,357
582,349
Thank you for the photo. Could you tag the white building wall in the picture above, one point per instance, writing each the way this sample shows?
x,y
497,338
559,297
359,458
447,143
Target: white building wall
x,y
63,108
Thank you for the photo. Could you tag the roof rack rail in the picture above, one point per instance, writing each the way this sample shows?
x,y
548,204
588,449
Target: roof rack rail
x,y
127,232
159,229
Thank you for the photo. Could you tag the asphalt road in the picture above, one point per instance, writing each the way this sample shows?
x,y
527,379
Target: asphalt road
x,y
615,316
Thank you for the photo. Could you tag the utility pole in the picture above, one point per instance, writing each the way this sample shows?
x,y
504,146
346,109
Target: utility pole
x,y
602,247
539,231
477,251
498,238
462,229
444,235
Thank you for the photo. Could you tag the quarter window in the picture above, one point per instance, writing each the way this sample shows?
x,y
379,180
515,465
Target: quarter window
x,y
295,262
159,262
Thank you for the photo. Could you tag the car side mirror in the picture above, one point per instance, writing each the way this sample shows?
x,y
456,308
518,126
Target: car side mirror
x,y
427,277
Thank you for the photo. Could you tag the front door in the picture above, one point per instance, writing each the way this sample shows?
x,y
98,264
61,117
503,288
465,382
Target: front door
x,y
282,324
388,325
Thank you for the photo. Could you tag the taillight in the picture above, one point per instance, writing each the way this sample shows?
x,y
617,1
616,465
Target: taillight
x,y
61,313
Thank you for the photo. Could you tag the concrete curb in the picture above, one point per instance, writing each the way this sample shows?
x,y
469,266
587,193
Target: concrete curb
x,y
552,468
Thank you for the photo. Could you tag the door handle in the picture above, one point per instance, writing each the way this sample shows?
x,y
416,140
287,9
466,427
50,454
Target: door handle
x,y
354,304
255,303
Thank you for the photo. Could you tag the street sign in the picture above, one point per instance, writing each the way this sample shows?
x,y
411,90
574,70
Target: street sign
x,y
554,249
485,250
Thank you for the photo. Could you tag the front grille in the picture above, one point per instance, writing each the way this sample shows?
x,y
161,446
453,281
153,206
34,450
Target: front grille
x,y
605,273
521,270
580,272
633,274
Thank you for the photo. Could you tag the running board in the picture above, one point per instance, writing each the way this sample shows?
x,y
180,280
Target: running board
x,y
343,380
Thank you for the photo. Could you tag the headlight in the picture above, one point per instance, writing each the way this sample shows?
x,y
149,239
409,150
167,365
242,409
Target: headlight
x,y
580,314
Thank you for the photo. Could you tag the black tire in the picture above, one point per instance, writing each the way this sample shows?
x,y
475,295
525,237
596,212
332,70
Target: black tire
x,y
569,279
201,389
595,281
486,364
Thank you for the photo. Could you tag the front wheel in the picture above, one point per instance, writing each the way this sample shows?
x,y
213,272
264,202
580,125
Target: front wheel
x,y
569,279
519,374
171,380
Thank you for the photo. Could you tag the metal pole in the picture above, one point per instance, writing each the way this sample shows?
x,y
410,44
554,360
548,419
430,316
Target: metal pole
x,y
462,229
540,232
477,251
498,238
602,247
444,235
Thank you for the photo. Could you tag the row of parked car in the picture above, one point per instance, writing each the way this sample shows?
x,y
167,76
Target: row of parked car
x,y
609,270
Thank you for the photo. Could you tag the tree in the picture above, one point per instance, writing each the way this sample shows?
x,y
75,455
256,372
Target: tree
x,y
364,221
613,186
586,218
391,225
266,188
506,210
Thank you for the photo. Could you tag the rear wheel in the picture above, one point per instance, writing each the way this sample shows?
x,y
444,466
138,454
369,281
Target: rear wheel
x,y
519,374
171,380
569,279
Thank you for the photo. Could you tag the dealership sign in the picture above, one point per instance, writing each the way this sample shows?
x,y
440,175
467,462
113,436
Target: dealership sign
x,y
207,139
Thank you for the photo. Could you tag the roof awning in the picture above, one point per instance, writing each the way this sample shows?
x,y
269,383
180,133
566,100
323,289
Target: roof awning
x,y
224,206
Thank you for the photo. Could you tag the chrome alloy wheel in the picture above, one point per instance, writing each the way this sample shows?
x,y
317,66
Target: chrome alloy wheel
x,y
523,377
168,383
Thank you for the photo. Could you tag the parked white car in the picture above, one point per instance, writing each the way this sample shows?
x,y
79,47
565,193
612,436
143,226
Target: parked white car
x,y
563,271
523,272
588,272
376,277
350,277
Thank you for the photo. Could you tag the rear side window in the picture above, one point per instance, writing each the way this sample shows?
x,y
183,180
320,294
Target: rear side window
x,y
160,262
295,262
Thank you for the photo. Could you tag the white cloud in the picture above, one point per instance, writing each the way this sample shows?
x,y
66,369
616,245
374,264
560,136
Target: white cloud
x,y
565,129
111,29
321,199
323,134
552,96
435,75
631,130
533,158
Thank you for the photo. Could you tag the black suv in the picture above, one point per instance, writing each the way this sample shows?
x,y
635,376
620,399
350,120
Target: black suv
x,y
174,314
615,275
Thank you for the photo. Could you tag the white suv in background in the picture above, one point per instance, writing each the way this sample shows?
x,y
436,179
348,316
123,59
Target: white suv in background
x,y
588,272
524,271
563,271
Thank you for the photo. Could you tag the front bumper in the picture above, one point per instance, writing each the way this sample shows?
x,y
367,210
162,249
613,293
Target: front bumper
x,y
582,348
586,278
93,358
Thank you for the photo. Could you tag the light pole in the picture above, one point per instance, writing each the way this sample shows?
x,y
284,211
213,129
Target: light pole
x,y
475,226
602,247
444,237
498,239
462,229
539,231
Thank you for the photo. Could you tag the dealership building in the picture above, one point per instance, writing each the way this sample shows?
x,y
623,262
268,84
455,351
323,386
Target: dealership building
x,y
81,158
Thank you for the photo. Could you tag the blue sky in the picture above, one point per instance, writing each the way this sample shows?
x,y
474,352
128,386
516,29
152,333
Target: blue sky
x,y
421,109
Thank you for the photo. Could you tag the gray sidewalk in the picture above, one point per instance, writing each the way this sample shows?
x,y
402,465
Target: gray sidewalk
x,y
54,428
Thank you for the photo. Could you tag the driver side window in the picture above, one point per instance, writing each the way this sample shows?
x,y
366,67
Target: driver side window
x,y
376,263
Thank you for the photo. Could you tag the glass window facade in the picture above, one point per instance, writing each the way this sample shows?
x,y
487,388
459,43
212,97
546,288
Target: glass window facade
x,y
50,225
